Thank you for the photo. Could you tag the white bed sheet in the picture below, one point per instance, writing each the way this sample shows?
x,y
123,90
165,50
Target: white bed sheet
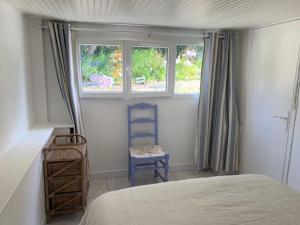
x,y
224,200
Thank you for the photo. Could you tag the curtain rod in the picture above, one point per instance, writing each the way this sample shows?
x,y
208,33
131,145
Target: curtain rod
x,y
126,31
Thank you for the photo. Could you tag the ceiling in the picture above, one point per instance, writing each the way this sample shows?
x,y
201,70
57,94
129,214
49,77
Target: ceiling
x,y
208,14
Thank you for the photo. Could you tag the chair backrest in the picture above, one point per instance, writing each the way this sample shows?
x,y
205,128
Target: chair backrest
x,y
142,120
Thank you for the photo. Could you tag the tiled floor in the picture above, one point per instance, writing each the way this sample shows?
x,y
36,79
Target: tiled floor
x,y
100,186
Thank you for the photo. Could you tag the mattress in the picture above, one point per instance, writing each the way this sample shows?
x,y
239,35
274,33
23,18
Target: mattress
x,y
223,200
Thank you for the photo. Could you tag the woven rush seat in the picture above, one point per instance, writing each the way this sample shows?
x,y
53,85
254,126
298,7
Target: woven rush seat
x,y
67,152
146,151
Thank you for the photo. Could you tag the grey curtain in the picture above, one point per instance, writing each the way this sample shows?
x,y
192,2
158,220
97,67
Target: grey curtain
x,y
217,136
61,42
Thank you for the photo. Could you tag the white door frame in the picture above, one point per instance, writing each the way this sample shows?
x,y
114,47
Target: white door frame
x,y
291,119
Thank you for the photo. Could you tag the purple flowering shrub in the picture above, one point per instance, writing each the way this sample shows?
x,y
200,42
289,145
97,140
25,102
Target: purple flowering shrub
x,y
101,80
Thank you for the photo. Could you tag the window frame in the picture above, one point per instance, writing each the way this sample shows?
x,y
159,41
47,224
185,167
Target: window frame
x,y
127,46
170,75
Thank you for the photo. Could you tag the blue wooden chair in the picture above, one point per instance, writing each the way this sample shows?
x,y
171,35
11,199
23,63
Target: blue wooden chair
x,y
145,156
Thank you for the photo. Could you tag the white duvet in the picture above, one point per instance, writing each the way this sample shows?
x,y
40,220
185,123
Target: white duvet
x,y
234,200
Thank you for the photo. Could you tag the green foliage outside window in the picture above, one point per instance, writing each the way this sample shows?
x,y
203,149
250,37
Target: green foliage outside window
x,y
188,62
147,62
150,63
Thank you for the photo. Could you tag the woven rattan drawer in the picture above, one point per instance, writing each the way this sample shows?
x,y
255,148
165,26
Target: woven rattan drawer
x,y
65,202
65,184
55,167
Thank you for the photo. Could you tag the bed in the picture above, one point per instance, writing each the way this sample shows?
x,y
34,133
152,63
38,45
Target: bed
x,y
223,200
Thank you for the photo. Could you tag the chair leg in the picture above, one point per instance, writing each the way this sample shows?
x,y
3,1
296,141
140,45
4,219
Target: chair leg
x,y
132,172
155,168
129,168
166,167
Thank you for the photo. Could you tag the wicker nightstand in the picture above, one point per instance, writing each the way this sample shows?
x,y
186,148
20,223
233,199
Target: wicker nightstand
x,y
65,174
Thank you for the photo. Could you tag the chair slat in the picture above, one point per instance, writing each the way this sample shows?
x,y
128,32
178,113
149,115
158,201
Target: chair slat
x,y
142,135
143,120
142,106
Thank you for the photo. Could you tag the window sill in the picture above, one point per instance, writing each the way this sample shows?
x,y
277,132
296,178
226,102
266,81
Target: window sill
x,y
52,125
102,95
138,96
186,96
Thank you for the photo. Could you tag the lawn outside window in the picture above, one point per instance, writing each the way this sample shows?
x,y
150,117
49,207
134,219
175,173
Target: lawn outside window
x,y
188,69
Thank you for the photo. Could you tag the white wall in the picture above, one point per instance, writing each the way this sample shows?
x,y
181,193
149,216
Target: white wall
x,y
244,46
38,71
105,122
16,114
26,206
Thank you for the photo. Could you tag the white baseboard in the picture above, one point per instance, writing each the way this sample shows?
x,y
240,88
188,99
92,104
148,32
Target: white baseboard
x,y
182,167
124,172
45,220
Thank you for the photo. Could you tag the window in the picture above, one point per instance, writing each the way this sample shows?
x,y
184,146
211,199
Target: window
x,y
188,69
149,69
101,68
115,68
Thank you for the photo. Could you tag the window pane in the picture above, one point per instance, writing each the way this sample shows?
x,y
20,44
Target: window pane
x,y
149,69
188,69
101,68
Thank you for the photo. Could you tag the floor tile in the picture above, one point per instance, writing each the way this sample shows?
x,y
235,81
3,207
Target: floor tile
x,y
172,177
147,181
97,188
143,178
117,183
184,175
144,175
66,219
203,174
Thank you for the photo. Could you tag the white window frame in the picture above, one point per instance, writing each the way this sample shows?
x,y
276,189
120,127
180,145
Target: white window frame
x,y
127,46
103,42
170,71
